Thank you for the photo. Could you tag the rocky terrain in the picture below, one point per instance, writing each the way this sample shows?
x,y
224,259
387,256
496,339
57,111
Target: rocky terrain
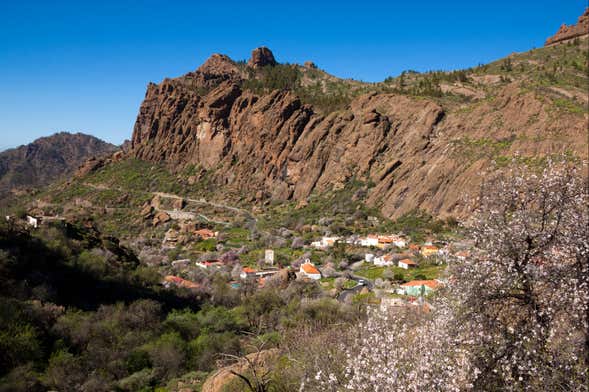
x,y
48,159
417,146
565,33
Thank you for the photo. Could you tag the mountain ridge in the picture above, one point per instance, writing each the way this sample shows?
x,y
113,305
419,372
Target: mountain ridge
x,y
48,159
406,138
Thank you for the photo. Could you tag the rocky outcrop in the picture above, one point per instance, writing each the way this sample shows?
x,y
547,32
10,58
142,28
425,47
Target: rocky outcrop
x,y
414,152
221,378
160,217
566,33
261,57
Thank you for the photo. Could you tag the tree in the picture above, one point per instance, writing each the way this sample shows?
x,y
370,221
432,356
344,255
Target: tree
x,y
514,316
526,291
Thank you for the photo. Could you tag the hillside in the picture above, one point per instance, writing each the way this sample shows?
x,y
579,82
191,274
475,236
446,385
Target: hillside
x,y
271,226
48,159
266,131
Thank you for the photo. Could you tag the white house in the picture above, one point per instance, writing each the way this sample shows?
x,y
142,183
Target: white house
x,y
407,263
309,270
180,263
370,240
210,264
269,256
400,242
384,260
317,244
33,221
247,272
369,257
325,242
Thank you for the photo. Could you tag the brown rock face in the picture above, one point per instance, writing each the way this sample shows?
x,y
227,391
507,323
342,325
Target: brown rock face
x,y
566,33
261,57
416,153
160,217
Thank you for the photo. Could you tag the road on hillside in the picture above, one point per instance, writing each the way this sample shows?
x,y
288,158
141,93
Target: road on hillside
x,y
343,296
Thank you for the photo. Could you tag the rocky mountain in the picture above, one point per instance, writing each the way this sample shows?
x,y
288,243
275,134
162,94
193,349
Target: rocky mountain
x,y
565,33
48,159
419,141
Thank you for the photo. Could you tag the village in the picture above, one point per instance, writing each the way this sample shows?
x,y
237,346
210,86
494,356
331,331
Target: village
x,y
386,270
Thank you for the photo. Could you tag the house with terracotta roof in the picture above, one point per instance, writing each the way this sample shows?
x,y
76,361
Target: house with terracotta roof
x,y
384,260
247,273
429,250
418,288
407,263
310,271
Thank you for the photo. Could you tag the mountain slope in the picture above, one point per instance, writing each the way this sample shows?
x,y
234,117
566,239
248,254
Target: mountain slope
x,y
260,132
48,159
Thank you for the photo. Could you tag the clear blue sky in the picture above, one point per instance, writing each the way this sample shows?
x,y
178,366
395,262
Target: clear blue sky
x,y
83,66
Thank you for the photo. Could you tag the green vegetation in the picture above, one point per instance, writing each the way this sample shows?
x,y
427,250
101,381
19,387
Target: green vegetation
x,y
570,106
425,271
314,87
88,315
475,149
344,208
419,224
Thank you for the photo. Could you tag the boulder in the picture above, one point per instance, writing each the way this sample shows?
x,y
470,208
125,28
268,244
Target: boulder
x,y
178,204
156,202
160,217
146,211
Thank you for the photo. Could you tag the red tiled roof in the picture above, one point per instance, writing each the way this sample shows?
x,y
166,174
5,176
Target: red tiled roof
x,y
408,262
309,268
432,284
385,239
249,270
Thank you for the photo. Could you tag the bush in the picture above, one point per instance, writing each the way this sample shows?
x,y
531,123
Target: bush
x,y
207,348
167,354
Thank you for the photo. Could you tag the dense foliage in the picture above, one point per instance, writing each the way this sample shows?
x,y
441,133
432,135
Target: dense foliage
x,y
78,313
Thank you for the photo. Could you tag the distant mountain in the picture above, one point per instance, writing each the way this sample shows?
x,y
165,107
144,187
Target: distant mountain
x,y
48,159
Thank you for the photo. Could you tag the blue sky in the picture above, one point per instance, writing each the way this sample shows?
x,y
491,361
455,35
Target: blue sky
x,y
83,66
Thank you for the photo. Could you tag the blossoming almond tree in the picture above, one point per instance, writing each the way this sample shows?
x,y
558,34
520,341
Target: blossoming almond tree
x,y
526,293
513,317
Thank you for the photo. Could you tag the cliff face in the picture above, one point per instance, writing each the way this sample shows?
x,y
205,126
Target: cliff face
x,y
48,159
415,152
566,33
